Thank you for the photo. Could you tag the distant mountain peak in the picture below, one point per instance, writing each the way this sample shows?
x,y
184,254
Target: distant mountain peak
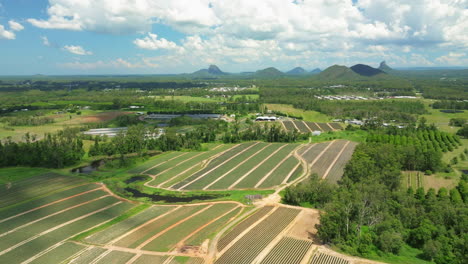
x,y
384,67
316,70
297,70
213,69
365,70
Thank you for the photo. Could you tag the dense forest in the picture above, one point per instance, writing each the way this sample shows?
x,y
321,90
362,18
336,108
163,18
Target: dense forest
x,y
54,151
368,213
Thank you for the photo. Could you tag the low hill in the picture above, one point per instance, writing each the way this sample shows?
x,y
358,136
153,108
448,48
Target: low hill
x,y
297,71
316,71
269,73
337,72
366,70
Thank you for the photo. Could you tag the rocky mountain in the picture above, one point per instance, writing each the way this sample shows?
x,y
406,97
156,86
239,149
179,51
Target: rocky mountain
x,y
366,70
385,68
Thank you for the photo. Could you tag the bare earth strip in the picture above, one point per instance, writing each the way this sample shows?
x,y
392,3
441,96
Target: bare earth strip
x,y
305,124
221,164
328,124
205,225
235,167
134,258
291,173
189,169
171,227
49,204
254,168
277,165
50,215
334,161
159,164
226,248
105,253
55,228
321,154
275,241
143,225
294,123
319,126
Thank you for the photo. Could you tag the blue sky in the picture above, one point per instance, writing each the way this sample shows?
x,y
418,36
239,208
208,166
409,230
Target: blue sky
x,y
160,36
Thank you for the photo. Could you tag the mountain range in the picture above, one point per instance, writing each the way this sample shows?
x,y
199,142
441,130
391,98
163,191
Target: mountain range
x,y
335,72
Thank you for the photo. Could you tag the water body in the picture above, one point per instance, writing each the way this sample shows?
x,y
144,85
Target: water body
x,y
94,166
172,199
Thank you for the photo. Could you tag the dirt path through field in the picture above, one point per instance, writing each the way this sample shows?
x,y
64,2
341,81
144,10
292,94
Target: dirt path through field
x,y
255,167
335,160
319,126
171,227
295,126
55,228
50,215
49,204
159,164
133,259
226,248
219,165
182,241
275,241
307,125
205,163
235,167
277,165
143,225
328,124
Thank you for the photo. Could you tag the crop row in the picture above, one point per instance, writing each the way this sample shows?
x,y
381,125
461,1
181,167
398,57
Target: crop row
x,y
44,201
138,236
337,170
321,258
212,175
307,127
175,169
154,161
66,206
17,247
267,165
217,162
246,249
325,127
169,239
289,125
310,155
225,240
324,162
119,229
28,188
302,127
280,173
288,251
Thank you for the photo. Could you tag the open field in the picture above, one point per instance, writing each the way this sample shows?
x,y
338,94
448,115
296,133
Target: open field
x,y
417,179
61,121
440,119
308,127
312,116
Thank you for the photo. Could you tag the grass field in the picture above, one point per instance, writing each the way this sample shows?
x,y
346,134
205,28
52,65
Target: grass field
x,y
312,116
61,121
12,174
416,179
440,119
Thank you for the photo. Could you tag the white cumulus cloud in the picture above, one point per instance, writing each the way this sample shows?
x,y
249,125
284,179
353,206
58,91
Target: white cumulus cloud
x,y
5,34
78,50
152,42
15,26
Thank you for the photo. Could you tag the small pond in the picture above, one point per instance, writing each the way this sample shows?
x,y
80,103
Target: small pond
x,y
171,199
94,166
